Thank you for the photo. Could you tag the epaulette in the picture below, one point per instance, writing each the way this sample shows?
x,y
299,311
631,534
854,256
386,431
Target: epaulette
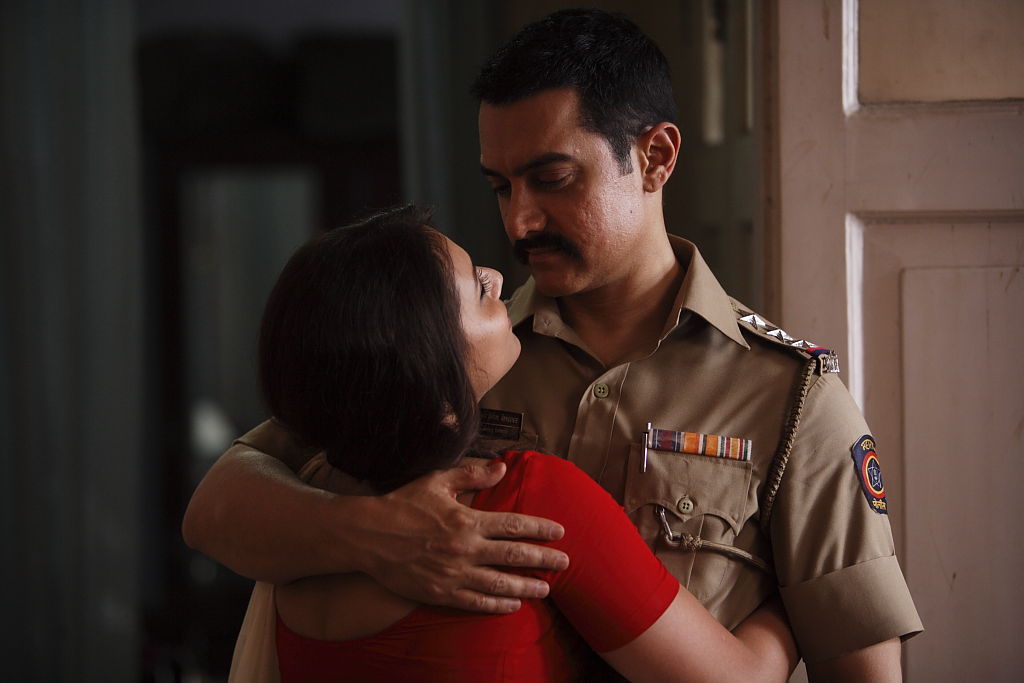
x,y
828,360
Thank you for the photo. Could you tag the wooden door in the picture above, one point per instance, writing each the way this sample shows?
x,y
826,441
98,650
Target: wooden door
x,y
896,195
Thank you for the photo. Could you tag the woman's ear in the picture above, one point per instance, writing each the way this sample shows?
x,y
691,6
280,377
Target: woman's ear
x,y
659,149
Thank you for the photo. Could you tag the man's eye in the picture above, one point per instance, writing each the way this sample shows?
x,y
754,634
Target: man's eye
x,y
550,181
501,190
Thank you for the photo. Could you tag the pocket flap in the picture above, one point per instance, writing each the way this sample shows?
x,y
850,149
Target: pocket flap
x,y
689,485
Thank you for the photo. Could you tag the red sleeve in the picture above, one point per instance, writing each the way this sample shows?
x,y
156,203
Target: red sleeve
x,y
614,588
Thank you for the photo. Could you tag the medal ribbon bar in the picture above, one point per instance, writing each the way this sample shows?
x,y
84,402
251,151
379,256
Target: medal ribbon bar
x,y
730,447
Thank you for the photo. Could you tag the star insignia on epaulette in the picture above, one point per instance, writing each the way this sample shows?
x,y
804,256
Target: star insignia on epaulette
x,y
828,361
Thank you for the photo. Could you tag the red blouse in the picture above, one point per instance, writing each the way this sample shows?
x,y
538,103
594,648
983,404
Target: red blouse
x,y
613,590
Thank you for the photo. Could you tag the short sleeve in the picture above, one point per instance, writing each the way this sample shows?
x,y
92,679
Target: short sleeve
x,y
831,538
614,588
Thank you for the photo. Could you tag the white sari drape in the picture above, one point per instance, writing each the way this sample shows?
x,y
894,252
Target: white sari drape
x,y
255,656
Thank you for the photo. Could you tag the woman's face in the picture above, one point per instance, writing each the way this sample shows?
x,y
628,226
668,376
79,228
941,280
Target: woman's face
x,y
492,346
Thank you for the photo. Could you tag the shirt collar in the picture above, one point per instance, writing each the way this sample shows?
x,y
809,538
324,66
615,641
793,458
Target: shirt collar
x,y
700,293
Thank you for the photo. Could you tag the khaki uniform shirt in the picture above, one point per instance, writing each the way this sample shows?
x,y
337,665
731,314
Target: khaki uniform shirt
x,y
830,553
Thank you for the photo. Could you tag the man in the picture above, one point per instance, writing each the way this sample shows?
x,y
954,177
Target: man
x,y
637,367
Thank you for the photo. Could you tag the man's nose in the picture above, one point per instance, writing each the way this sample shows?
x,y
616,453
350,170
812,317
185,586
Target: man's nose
x,y
522,215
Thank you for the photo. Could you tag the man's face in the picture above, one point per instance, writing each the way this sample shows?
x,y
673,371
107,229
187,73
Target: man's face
x,y
568,210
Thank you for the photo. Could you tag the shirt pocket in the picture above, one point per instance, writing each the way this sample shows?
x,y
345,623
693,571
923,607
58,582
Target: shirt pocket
x,y
688,496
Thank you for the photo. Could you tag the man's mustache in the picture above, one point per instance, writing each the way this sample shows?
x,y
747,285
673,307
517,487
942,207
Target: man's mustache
x,y
544,240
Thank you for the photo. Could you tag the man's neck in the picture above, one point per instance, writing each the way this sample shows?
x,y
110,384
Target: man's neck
x,y
624,319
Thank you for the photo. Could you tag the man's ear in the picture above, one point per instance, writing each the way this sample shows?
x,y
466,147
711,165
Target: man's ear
x,y
659,149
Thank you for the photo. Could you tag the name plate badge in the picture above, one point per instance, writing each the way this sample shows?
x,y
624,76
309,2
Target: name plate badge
x,y
500,424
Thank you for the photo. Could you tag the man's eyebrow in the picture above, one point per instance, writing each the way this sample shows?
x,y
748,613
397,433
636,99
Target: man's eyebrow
x,y
542,160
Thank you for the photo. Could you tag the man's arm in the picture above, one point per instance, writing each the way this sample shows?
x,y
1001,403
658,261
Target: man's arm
x,y
877,663
252,513
845,594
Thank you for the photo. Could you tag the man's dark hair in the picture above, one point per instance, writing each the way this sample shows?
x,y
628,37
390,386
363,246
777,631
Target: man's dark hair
x,y
620,75
362,354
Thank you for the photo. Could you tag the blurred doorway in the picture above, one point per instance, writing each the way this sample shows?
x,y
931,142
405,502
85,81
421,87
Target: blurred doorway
x,y
260,128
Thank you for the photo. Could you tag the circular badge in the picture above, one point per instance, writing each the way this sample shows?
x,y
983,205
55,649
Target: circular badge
x,y
871,472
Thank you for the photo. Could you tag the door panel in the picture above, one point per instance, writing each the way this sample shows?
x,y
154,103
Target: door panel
x,y
964,414
891,248
900,235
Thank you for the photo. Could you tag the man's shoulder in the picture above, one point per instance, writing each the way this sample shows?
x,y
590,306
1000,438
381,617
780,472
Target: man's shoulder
x,y
757,329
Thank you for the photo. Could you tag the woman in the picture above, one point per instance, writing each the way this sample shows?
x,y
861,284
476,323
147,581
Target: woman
x,y
376,344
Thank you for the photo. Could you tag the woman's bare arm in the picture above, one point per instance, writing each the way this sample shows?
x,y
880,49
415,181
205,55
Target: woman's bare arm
x,y
252,513
687,644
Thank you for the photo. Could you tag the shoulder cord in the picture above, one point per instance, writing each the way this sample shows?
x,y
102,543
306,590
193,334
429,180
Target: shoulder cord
x,y
691,543
778,466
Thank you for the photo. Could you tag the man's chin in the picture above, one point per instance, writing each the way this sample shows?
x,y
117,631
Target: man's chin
x,y
553,284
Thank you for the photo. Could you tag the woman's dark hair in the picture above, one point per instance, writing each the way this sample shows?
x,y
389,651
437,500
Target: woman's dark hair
x,y
362,354
621,77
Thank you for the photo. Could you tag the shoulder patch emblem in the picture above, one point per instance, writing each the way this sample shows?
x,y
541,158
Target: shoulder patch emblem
x,y
869,473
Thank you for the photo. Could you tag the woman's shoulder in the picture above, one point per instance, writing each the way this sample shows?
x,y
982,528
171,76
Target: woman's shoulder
x,y
541,484
537,461
537,467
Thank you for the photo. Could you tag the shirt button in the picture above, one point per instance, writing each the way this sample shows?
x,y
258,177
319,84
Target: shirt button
x,y
685,505
601,390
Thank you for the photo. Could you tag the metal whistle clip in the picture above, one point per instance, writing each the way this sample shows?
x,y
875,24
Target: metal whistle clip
x,y
647,444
